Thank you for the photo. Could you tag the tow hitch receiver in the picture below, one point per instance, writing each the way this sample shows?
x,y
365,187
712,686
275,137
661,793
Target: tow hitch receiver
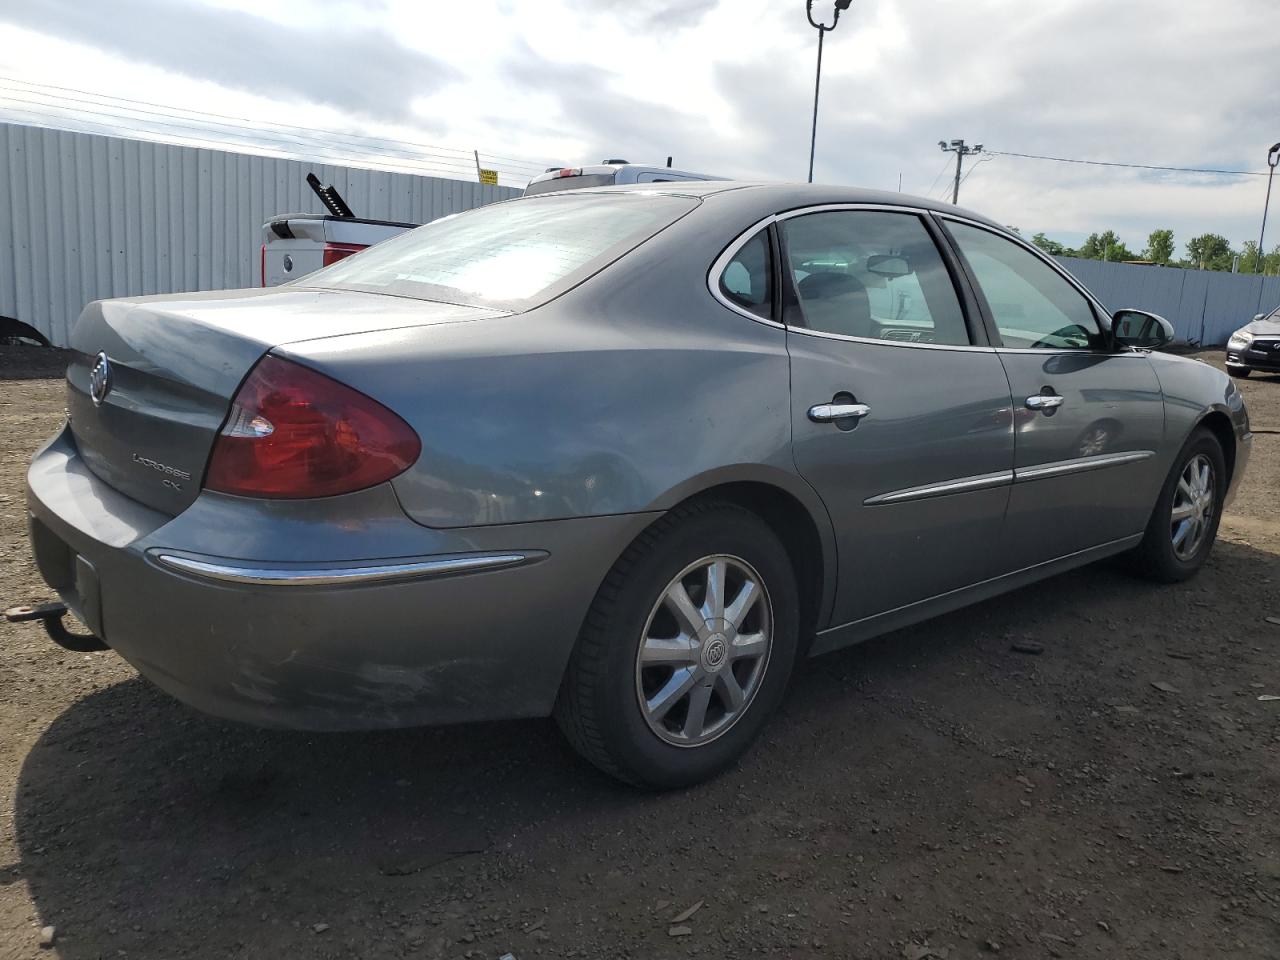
x,y
50,616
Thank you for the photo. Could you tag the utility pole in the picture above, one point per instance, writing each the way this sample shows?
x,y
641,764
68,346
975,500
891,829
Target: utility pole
x,y
961,151
1273,158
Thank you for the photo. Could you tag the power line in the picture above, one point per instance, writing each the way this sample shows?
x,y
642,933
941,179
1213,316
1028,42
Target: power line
x,y
945,164
186,113
264,136
267,140
260,135
977,163
458,152
390,164
1134,166
252,133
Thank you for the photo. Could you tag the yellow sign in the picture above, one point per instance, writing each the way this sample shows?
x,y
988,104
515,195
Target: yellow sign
x,y
489,176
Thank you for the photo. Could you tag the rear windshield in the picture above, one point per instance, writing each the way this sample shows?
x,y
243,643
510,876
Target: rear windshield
x,y
571,183
509,255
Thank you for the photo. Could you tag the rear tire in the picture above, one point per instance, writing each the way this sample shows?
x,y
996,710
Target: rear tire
x,y
1174,548
621,710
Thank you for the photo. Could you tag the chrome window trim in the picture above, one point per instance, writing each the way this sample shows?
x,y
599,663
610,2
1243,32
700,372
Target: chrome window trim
x,y
983,481
228,571
969,348
722,262
829,207
1062,468
920,212
1069,351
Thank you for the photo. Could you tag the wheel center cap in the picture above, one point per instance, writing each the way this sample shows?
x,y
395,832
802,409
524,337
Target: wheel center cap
x,y
714,652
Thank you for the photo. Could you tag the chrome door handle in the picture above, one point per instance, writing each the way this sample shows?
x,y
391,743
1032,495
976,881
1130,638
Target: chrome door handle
x,y
1040,401
829,412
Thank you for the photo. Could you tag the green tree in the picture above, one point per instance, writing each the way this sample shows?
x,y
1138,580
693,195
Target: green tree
x,y
1159,247
1052,247
1249,257
1105,246
1209,251
1270,264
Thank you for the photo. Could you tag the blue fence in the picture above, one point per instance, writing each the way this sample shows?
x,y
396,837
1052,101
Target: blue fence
x,y
1204,306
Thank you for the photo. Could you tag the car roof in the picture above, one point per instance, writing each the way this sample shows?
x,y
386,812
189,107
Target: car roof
x,y
773,196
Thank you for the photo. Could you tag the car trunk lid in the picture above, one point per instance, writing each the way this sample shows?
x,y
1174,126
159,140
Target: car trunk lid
x,y
166,368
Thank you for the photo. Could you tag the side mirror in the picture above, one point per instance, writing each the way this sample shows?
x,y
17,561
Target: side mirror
x,y
1138,328
887,265
1259,316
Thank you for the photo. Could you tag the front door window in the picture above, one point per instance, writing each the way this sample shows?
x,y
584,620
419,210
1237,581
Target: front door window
x,y
1033,305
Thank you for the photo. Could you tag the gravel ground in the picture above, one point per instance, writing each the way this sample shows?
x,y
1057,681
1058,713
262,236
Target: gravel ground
x,y
930,794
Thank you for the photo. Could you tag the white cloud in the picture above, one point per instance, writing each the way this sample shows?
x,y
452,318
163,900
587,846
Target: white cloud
x,y
727,87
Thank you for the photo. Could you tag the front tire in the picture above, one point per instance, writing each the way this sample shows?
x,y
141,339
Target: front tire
x,y
1240,373
686,649
1184,523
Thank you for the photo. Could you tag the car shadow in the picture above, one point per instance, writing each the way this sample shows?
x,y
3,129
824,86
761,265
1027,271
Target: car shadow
x,y
146,828
26,362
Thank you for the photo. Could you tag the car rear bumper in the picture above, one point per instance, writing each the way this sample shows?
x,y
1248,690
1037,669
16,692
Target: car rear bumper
x,y
328,614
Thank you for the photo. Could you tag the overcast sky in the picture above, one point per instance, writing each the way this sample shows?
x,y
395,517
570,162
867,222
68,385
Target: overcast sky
x,y
725,86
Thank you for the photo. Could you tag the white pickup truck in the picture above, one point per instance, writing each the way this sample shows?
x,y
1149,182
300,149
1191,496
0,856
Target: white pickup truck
x,y
295,244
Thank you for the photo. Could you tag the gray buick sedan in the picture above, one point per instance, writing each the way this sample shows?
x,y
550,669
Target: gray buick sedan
x,y
617,455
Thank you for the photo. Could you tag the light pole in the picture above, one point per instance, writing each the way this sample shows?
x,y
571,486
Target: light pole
x,y
961,151
1273,157
822,28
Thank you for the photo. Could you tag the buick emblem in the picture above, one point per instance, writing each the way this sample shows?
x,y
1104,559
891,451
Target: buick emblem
x,y
713,653
100,379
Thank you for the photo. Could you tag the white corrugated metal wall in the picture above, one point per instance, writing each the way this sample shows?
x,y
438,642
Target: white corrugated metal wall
x,y
1204,306
84,217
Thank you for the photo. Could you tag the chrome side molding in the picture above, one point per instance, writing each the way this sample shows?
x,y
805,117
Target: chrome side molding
x,y
1080,465
228,571
1003,478
962,485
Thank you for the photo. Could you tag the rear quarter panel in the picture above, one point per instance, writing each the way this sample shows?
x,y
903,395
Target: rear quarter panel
x,y
612,399
628,394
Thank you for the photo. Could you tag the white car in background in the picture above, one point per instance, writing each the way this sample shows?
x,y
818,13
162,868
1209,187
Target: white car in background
x,y
608,174
295,244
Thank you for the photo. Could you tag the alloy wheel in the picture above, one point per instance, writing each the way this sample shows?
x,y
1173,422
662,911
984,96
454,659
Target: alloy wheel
x,y
1193,503
704,650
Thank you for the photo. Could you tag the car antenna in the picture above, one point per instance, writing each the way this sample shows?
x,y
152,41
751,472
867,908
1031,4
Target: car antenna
x,y
668,163
331,198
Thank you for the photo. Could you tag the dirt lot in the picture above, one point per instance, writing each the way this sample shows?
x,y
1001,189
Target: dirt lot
x,y
931,794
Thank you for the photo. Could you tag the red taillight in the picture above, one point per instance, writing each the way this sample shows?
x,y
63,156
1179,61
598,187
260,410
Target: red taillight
x,y
293,433
570,172
333,252
264,265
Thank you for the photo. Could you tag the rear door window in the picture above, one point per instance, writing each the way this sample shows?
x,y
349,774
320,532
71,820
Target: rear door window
x,y
872,274
511,255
